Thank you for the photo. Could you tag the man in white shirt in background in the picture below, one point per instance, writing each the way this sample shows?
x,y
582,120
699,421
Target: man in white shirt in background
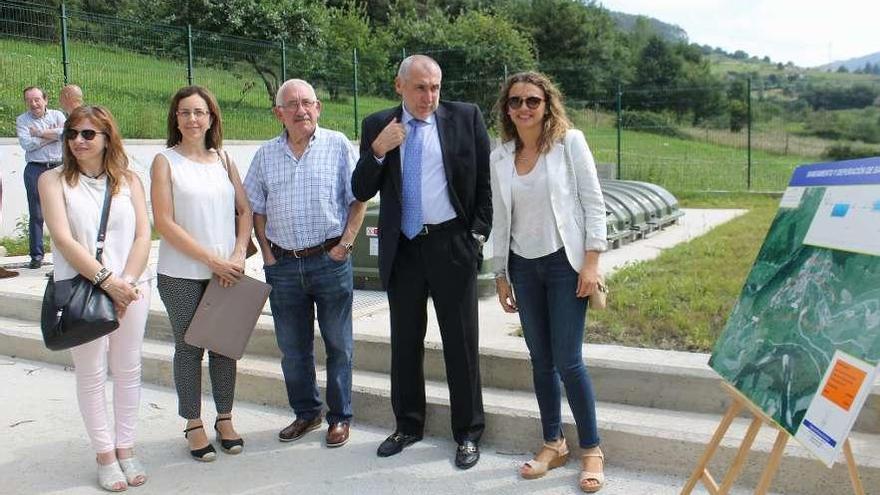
x,y
39,133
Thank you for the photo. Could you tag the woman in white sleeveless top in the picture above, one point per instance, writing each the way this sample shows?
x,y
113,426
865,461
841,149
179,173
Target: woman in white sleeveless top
x,y
73,198
196,193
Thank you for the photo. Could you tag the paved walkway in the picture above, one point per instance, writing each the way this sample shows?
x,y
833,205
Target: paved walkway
x,y
45,450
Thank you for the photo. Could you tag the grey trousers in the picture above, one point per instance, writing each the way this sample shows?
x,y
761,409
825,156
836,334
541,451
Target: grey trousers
x,y
181,297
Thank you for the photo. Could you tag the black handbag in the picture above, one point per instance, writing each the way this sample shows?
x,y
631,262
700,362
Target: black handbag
x,y
75,311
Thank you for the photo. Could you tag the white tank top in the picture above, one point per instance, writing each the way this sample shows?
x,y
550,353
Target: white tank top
x,y
204,206
533,231
84,203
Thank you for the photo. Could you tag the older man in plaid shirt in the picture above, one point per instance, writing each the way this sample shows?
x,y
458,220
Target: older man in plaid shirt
x,y
306,220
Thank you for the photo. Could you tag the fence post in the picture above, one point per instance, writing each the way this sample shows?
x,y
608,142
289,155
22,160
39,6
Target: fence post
x,y
65,61
354,53
749,132
189,55
619,128
283,61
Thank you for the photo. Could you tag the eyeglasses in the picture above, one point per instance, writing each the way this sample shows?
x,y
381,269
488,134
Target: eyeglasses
x,y
294,104
197,113
87,134
533,102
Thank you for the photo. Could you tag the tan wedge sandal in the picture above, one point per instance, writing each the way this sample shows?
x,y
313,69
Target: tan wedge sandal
x,y
598,477
535,469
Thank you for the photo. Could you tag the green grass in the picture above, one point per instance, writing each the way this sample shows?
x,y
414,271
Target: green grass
x,y
681,300
684,165
137,88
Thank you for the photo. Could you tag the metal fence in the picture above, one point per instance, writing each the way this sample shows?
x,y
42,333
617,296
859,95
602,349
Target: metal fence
x,y
133,68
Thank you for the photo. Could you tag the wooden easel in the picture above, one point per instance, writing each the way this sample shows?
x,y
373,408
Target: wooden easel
x,y
701,472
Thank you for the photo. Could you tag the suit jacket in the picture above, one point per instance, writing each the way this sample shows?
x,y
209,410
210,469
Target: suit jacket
x,y
579,212
465,147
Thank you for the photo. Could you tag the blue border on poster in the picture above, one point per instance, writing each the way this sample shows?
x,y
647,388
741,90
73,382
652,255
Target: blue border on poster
x,y
844,173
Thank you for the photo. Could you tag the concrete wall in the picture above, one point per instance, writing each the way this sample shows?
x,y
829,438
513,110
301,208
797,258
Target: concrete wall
x,y
140,153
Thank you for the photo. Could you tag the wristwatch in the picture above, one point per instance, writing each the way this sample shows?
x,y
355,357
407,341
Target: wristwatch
x,y
480,238
347,245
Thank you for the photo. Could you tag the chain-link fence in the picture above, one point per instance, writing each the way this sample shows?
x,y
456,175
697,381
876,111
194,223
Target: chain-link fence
x,y
722,137
134,68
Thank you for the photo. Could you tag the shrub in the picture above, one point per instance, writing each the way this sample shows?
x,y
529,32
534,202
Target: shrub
x,y
846,152
652,122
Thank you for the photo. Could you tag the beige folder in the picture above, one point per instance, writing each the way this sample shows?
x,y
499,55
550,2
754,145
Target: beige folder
x,y
226,316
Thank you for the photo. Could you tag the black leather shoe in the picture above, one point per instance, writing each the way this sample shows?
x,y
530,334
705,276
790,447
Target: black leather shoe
x,y
34,264
395,443
467,454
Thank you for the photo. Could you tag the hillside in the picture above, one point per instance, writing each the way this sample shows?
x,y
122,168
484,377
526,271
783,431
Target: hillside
x,y
669,32
852,63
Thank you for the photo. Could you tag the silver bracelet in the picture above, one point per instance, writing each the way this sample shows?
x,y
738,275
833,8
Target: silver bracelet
x,y
102,275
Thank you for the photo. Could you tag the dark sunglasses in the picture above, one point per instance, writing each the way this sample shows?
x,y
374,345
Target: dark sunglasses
x,y
532,102
87,134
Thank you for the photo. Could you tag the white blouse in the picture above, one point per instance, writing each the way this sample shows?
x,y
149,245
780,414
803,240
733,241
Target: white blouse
x,y
533,231
204,206
84,203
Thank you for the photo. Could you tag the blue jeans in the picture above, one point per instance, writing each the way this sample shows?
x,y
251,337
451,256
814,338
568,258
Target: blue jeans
x,y
32,172
553,320
299,286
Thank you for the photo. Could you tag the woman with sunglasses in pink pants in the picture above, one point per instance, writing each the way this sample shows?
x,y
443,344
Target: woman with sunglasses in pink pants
x,y
72,197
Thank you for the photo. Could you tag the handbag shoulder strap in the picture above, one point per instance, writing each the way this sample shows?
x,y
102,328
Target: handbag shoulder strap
x,y
224,159
105,214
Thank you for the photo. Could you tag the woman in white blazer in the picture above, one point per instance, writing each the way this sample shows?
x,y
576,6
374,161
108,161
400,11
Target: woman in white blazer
x,y
549,228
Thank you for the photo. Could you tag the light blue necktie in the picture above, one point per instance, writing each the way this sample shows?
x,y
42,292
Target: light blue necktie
x,y
411,218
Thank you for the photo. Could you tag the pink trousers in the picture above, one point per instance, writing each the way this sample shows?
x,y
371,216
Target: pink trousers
x,y
121,349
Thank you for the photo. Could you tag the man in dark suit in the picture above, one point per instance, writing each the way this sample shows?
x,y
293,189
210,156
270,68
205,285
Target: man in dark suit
x,y
430,161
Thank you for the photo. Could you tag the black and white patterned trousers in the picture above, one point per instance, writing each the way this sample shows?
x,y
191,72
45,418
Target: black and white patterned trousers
x,y
181,297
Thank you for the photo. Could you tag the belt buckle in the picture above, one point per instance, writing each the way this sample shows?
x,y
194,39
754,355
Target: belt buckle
x,y
293,252
423,230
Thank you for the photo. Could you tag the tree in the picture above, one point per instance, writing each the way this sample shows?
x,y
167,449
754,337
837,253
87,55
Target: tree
x,y
576,43
298,22
657,66
473,50
737,101
347,27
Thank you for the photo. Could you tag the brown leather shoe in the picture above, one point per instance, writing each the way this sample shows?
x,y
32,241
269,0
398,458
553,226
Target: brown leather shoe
x,y
337,434
4,273
298,428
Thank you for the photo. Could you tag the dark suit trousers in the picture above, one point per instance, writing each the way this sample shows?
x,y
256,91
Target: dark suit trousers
x,y
441,264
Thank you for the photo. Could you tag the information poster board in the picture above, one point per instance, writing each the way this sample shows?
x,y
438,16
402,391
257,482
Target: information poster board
x,y
803,341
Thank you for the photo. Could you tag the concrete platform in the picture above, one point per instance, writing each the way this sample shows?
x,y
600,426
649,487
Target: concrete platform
x,y
46,451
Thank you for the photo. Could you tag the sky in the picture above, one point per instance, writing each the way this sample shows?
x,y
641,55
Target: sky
x,y
804,32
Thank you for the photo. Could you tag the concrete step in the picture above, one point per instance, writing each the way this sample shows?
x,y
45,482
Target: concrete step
x,y
639,377
644,438
39,399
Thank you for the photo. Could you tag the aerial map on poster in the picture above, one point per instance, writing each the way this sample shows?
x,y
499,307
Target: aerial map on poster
x,y
803,340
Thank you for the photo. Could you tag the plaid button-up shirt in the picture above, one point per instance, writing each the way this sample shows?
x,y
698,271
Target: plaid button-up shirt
x,y
305,200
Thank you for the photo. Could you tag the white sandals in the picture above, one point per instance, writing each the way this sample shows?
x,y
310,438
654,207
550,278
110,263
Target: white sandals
x,y
110,475
133,469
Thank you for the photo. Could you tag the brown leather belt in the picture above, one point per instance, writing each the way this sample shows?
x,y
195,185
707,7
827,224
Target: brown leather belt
x,y
305,253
